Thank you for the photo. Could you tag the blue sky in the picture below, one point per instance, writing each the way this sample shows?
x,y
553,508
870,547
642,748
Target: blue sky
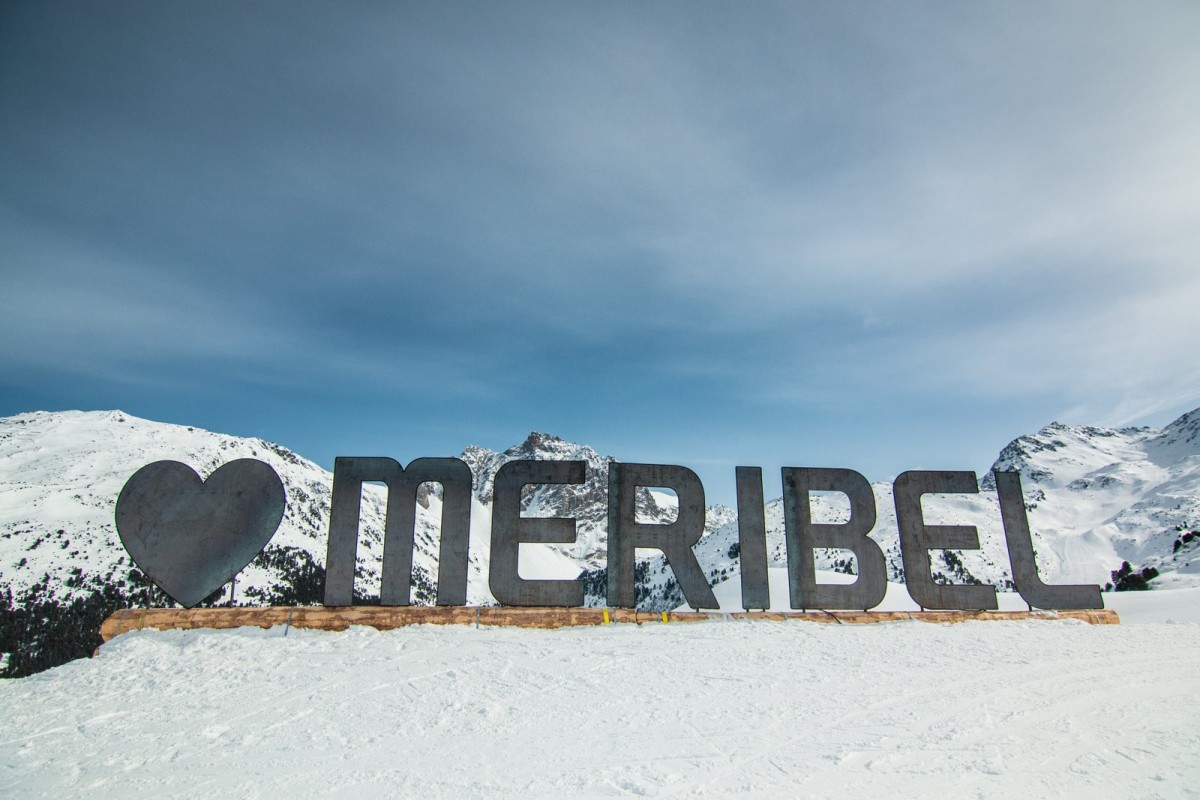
x,y
873,235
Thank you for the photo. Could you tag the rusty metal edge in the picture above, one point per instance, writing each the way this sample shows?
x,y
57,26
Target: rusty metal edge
x,y
390,617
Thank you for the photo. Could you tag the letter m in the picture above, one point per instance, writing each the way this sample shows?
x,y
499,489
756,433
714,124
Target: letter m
x,y
396,586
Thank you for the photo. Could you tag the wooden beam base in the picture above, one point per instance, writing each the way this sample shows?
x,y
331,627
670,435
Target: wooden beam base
x,y
338,618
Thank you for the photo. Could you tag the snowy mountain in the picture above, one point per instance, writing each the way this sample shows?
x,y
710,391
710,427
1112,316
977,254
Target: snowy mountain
x,y
60,475
1100,496
1096,497
587,502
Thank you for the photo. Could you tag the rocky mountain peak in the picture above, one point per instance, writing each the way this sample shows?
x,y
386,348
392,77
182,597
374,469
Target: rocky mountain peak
x,y
1182,434
538,442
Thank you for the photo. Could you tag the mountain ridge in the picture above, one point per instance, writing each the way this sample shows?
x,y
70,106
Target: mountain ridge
x,y
1096,497
60,473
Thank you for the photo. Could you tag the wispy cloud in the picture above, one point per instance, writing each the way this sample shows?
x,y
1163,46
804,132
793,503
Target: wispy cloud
x,y
591,207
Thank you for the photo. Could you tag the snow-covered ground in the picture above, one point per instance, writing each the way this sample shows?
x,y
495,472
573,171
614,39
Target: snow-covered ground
x,y
762,709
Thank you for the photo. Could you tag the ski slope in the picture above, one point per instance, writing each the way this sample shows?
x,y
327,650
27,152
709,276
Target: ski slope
x,y
726,708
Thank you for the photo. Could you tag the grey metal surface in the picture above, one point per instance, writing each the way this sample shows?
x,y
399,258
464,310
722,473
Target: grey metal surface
x,y
1021,556
802,535
917,539
349,473
675,539
752,538
510,529
192,536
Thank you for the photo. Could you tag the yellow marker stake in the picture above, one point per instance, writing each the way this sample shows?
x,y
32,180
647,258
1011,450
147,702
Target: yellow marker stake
x,y
664,617
606,619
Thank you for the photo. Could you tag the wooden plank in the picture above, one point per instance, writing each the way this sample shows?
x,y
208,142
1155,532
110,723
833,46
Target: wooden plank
x,y
338,618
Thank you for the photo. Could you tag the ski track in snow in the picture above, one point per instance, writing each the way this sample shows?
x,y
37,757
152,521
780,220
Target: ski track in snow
x,y
760,709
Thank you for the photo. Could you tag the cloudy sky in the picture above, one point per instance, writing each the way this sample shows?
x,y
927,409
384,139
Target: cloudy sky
x,y
879,235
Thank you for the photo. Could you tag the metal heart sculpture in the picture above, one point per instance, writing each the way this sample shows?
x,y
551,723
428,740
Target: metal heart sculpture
x,y
191,536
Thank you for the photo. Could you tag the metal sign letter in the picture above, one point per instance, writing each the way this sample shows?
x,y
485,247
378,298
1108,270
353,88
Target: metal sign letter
x,y
510,529
1020,555
395,589
803,535
917,539
675,539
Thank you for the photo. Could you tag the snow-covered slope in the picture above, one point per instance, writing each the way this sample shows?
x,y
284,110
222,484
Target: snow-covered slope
x,y
720,709
60,474
1100,496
